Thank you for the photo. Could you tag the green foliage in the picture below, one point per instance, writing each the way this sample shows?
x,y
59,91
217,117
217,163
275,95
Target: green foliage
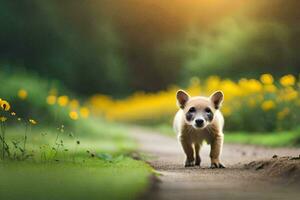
x,y
90,161
275,139
63,40
241,48
88,138
94,179
35,105
117,47
272,139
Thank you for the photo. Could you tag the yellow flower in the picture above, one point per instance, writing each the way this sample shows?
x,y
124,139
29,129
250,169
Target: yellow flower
x,y
270,88
254,85
32,121
4,105
63,100
51,100
212,83
3,119
287,94
250,86
74,104
282,114
13,113
22,94
288,80
268,105
84,112
266,79
73,115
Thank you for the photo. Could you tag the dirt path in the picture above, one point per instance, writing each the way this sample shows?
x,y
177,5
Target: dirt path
x,y
234,182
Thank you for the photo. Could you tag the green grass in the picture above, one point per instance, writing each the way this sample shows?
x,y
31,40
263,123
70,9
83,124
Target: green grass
x,y
271,139
93,179
275,139
104,172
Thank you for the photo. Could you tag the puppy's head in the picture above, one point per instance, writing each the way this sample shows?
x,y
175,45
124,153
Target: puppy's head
x,y
199,111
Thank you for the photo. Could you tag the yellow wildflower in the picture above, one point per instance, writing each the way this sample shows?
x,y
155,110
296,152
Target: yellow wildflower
x,y
266,79
270,88
13,113
212,83
63,100
84,112
287,94
73,115
22,94
288,80
291,94
3,119
250,86
32,121
254,85
268,105
4,105
51,100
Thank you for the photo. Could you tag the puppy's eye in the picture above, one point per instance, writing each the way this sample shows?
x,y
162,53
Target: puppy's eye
x,y
192,109
207,110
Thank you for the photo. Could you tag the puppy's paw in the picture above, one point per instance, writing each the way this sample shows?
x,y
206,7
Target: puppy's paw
x,y
217,165
221,165
189,163
198,161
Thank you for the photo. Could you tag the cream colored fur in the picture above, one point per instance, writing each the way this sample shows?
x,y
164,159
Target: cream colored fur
x,y
192,138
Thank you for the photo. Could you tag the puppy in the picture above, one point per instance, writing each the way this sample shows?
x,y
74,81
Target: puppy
x,y
198,119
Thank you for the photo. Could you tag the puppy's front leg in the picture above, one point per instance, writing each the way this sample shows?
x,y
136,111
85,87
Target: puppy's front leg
x,y
188,150
216,148
197,156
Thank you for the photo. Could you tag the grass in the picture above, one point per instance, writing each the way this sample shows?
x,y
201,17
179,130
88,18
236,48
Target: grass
x,y
93,179
271,139
97,168
124,179
275,139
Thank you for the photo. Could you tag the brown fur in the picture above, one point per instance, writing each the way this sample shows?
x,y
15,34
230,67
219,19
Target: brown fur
x,y
192,137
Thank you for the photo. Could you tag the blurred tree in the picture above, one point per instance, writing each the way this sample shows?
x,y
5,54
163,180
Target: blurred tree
x,y
117,47
64,40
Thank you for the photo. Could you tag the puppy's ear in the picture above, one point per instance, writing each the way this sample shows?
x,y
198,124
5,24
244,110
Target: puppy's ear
x,y
182,98
217,99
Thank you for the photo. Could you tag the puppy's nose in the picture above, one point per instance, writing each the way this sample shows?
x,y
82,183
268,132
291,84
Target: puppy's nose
x,y
199,122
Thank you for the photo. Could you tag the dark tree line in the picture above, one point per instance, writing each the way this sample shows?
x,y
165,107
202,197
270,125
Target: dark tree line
x,y
117,47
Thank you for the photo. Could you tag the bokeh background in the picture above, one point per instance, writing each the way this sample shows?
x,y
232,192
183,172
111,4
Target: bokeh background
x,y
118,47
77,75
123,61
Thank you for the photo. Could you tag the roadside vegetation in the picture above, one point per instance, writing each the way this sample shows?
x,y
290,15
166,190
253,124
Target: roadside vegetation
x,y
263,104
270,139
52,147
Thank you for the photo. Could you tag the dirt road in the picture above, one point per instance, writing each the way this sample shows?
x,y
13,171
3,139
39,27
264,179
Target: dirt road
x,y
234,182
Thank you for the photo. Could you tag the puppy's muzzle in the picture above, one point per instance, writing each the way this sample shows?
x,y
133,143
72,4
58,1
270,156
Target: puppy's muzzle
x,y
199,123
